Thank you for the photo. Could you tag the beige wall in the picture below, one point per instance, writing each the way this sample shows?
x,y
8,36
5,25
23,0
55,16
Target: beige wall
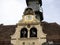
x,y
16,40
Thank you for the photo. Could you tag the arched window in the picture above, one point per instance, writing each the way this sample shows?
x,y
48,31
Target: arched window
x,y
24,33
33,32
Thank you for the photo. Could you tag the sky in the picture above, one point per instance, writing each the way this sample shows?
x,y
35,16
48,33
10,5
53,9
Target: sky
x,y
11,11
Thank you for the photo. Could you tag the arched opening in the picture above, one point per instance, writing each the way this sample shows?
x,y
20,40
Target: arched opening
x,y
33,32
24,33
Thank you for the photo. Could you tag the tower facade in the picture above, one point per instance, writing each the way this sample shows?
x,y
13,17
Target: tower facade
x,y
36,5
28,30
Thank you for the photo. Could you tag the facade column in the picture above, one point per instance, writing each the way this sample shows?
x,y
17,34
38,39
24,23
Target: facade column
x,y
28,33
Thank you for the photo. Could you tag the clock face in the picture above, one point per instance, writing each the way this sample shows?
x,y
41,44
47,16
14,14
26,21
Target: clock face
x,y
29,17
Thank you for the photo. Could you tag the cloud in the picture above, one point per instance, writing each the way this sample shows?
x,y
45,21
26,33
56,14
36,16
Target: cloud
x,y
11,11
51,10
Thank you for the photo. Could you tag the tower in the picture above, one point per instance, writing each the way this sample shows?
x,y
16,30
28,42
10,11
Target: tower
x,y
28,30
36,5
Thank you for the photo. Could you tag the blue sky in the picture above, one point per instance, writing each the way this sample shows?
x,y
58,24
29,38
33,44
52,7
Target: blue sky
x,y
11,11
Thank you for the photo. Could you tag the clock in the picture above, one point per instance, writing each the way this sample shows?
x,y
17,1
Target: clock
x,y
29,18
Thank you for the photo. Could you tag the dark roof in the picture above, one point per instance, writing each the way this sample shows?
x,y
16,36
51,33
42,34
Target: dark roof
x,y
6,31
51,28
